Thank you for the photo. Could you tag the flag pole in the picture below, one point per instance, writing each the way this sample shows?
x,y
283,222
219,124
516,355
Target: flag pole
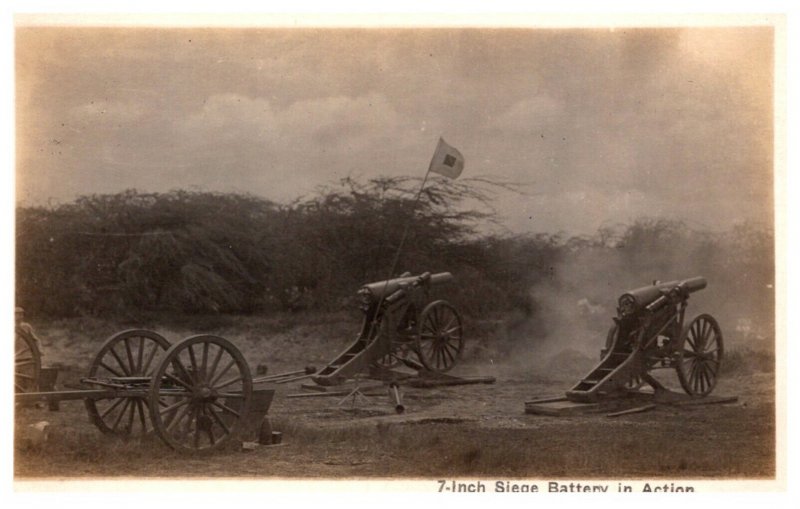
x,y
373,321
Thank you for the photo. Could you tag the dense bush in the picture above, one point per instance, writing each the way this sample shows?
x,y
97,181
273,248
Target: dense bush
x,y
198,252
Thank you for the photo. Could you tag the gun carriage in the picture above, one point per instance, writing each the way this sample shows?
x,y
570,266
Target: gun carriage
x,y
195,394
648,334
401,324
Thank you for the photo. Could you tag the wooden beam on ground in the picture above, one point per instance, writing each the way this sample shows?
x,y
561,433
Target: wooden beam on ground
x,y
427,383
634,410
546,400
708,400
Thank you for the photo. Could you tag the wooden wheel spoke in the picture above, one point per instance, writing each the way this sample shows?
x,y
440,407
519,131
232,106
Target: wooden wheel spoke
x,y
187,427
129,353
438,357
189,376
196,425
448,343
707,329
178,381
110,369
23,375
227,395
119,361
122,412
140,356
132,415
448,353
225,408
209,429
237,378
450,322
142,417
204,362
219,421
174,406
222,373
111,408
150,357
183,412
193,361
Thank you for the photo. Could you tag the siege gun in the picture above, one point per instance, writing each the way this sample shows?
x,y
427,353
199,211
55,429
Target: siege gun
x,y
649,333
400,320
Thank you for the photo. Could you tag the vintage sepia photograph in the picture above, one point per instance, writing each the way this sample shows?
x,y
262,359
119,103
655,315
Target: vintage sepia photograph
x,y
493,257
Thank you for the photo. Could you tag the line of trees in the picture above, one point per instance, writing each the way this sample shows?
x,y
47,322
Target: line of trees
x,y
201,252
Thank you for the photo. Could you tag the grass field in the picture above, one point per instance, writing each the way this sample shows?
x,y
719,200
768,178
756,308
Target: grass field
x,y
477,430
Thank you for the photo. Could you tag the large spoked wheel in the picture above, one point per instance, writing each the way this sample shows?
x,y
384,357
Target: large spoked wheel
x,y
131,354
699,355
440,338
200,394
27,362
407,328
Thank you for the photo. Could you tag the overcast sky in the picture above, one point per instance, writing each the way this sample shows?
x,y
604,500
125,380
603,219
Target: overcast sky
x,y
606,125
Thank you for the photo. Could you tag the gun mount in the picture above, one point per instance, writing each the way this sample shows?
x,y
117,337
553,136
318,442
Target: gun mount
x,y
649,333
400,319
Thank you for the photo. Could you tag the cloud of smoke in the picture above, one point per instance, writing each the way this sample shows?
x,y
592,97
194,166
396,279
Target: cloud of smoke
x,y
576,304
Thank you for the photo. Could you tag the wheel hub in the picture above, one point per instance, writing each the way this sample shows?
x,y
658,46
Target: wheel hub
x,y
205,393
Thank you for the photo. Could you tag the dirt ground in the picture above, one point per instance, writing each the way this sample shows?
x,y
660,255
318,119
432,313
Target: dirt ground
x,y
445,432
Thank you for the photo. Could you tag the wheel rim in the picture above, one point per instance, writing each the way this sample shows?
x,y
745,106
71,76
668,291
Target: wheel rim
x,y
27,362
130,353
699,355
440,337
200,393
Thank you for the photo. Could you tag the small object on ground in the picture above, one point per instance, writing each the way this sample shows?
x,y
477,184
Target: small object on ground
x,y
249,446
265,433
35,436
277,437
355,394
397,397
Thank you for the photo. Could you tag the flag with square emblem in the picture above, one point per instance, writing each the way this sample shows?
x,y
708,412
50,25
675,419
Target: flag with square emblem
x,y
447,160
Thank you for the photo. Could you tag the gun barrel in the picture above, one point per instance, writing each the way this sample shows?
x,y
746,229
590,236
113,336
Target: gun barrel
x,y
646,295
385,288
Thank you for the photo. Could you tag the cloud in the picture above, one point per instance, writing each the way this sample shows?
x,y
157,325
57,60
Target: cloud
x,y
529,114
252,142
104,111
